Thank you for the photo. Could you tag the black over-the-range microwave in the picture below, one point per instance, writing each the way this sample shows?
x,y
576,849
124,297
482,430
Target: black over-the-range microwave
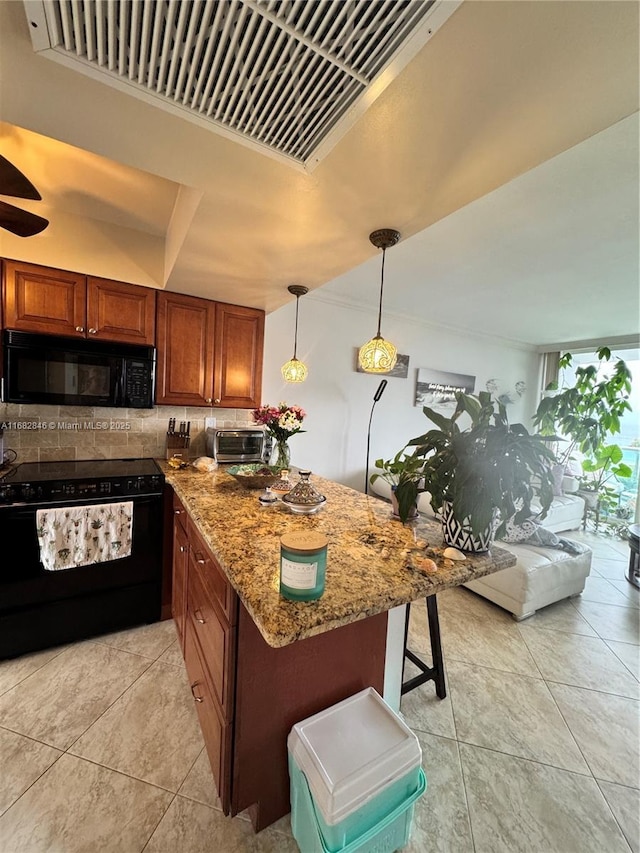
x,y
71,372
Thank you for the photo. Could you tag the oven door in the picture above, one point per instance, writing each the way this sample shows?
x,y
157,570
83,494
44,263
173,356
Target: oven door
x,y
40,608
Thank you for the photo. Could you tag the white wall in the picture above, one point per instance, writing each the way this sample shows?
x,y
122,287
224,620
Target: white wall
x,y
338,399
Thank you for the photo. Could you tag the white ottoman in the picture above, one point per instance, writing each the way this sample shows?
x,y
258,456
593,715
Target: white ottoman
x,y
540,577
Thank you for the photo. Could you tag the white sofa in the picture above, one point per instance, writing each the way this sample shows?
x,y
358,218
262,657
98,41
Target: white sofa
x,y
542,575
565,512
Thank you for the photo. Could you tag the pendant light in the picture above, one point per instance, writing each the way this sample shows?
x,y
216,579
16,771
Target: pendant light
x,y
295,370
378,355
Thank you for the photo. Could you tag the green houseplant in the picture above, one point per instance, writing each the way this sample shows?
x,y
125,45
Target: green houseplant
x,y
601,469
584,416
404,474
484,474
589,411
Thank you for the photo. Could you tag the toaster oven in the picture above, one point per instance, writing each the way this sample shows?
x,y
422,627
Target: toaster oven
x,y
238,444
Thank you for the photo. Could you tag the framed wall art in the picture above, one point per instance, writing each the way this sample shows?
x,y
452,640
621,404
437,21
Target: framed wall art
x,y
437,388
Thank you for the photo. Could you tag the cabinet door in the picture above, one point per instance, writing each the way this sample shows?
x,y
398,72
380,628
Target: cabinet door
x,y
117,311
180,571
39,299
215,637
239,350
185,328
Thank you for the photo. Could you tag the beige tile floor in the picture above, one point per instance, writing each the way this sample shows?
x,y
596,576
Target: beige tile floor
x,y
535,749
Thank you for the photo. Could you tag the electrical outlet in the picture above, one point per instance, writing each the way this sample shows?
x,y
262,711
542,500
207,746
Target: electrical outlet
x,y
209,423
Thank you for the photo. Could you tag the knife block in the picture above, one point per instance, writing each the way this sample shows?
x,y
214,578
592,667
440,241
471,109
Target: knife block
x,y
175,443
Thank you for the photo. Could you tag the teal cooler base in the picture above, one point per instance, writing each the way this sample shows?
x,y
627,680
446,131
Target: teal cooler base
x,y
383,829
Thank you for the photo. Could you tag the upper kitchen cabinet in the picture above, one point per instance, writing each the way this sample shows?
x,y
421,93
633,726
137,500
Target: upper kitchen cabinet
x,y
209,353
39,299
238,361
184,336
57,302
117,311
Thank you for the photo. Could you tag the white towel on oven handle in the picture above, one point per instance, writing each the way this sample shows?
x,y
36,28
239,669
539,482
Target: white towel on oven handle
x,y
72,536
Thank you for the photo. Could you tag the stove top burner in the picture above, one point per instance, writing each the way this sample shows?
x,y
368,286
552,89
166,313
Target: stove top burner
x,y
81,469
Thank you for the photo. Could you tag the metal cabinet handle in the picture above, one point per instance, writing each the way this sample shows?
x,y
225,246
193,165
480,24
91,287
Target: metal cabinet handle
x,y
200,559
182,549
199,618
177,512
193,692
217,400
93,331
208,400
79,328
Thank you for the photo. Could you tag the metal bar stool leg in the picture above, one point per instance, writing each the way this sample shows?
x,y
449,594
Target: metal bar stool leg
x,y
427,673
436,646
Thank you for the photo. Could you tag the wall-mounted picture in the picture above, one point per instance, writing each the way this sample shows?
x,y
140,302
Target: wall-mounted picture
x,y
437,388
399,370
505,394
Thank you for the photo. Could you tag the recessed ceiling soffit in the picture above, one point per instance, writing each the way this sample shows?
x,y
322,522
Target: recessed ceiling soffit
x,y
289,77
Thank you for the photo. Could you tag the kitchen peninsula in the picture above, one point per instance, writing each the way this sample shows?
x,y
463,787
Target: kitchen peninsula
x,y
258,663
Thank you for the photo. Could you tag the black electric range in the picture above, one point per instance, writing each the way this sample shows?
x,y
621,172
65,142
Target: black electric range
x,y
40,608
61,481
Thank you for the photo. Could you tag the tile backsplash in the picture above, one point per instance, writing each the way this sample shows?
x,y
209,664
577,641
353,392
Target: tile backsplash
x,y
41,433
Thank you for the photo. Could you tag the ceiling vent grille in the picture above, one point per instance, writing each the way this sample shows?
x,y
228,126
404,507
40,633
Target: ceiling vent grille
x,y
280,73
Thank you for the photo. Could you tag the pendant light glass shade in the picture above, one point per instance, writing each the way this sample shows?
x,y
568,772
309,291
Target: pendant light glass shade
x,y
295,370
378,355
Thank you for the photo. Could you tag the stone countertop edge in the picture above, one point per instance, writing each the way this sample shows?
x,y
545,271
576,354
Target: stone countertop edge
x,y
373,561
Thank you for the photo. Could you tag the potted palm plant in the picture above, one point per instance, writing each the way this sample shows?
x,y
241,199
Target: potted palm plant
x,y
483,475
404,474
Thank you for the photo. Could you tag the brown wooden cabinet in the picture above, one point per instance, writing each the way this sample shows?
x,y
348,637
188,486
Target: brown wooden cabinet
x,y
180,567
117,311
209,631
58,302
209,353
248,694
238,356
185,334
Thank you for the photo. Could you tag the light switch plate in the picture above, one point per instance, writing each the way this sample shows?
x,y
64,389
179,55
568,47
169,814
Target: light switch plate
x,y
209,423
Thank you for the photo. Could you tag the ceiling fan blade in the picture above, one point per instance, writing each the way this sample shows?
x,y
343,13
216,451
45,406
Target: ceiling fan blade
x,y
20,222
14,183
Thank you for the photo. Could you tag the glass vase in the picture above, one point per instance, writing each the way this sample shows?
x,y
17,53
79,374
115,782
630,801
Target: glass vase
x,y
281,455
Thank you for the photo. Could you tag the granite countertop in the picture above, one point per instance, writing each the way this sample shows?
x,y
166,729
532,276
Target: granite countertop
x,y
374,562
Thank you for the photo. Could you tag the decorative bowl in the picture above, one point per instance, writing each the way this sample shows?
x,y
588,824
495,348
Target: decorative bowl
x,y
254,475
303,508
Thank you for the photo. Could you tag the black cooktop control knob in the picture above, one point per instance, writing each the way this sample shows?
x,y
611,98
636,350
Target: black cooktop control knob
x,y
27,491
7,494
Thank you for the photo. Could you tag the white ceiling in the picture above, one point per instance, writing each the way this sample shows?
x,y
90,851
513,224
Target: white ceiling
x,y
287,77
450,154
550,257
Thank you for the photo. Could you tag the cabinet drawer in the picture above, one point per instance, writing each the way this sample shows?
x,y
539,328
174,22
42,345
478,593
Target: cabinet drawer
x,y
215,732
215,638
212,577
179,513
